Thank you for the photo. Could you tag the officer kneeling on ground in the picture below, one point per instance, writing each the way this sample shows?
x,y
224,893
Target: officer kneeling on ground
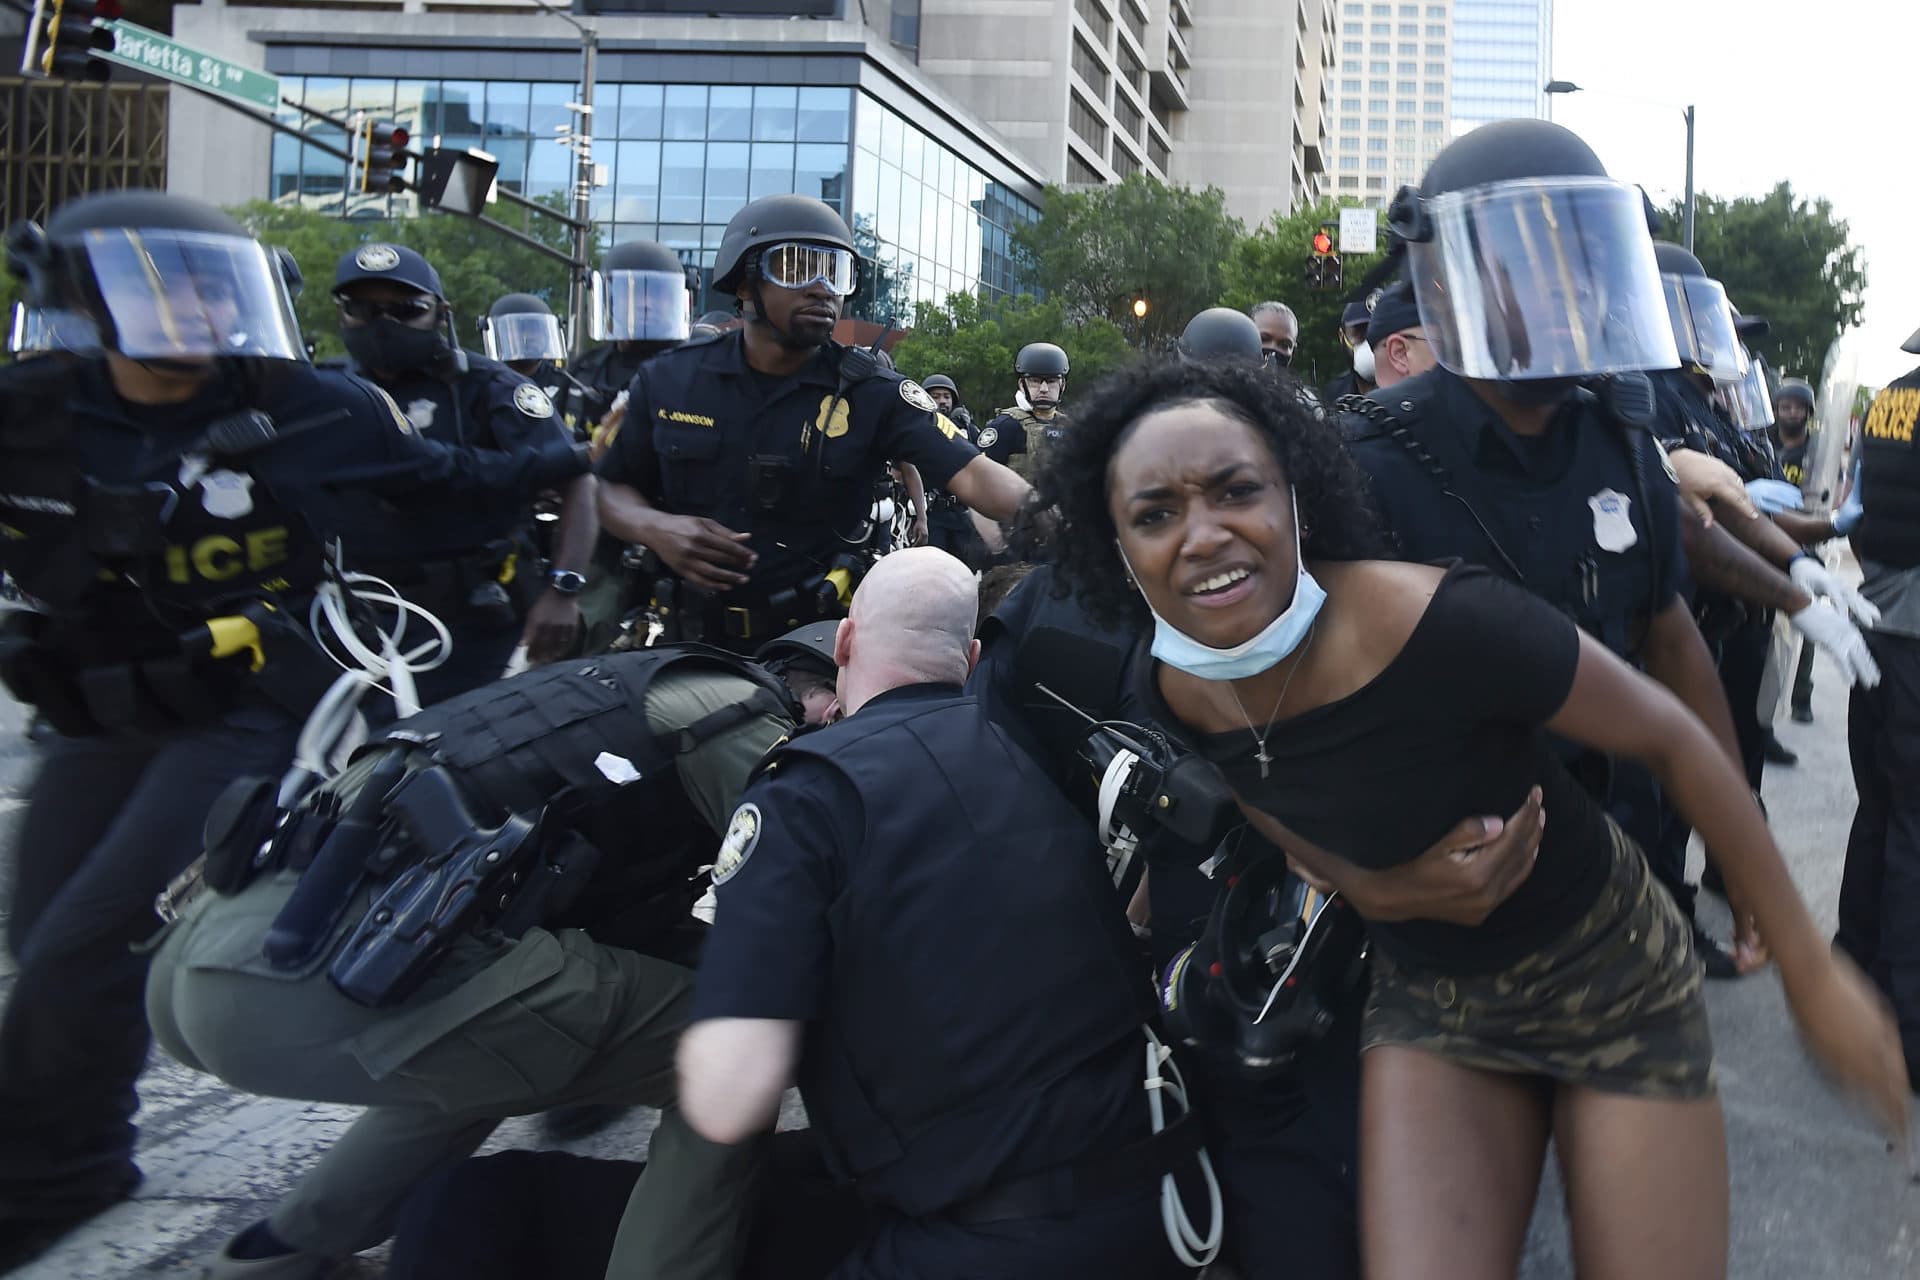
x,y
169,502
472,564
747,462
446,934
949,980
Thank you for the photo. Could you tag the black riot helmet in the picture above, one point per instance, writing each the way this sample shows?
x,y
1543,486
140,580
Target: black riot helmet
x,y
1529,263
520,328
773,221
1041,360
1795,389
940,382
641,293
159,277
1222,333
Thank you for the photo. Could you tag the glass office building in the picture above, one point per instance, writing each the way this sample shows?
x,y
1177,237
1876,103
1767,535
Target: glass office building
x,y
682,159
1502,51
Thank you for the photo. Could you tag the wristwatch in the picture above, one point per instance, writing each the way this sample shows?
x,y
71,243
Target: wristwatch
x,y
566,581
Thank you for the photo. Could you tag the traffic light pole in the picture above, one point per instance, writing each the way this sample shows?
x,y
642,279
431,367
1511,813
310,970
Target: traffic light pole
x,y
348,156
582,192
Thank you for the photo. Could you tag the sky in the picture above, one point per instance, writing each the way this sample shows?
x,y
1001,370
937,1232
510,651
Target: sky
x,y
1825,95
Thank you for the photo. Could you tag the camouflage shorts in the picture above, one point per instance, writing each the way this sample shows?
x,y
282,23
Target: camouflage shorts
x,y
1615,1003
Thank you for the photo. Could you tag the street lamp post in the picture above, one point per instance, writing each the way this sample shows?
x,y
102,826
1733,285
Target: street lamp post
x,y
1568,86
580,142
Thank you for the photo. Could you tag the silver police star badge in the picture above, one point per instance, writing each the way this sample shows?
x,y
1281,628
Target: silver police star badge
x,y
916,395
532,401
377,257
743,833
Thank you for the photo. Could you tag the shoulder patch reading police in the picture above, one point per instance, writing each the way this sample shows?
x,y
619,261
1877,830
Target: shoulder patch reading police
x,y
532,401
743,833
377,257
916,395
989,437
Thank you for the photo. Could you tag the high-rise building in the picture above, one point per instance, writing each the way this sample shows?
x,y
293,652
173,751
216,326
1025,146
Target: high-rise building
x,y
1392,94
1501,55
932,125
1222,93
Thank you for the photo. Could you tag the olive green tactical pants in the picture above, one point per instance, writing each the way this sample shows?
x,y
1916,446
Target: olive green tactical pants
x,y
503,1029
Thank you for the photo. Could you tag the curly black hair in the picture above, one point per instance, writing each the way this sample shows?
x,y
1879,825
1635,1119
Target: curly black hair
x,y
1071,527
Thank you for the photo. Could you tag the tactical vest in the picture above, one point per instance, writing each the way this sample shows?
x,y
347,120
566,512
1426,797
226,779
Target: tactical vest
x,y
928,1083
576,735
130,571
1889,532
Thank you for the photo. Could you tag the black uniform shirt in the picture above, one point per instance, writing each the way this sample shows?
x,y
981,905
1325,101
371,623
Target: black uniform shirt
x,y
488,410
226,527
787,460
1564,514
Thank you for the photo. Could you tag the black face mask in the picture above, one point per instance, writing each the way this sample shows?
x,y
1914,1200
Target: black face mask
x,y
1278,359
1539,391
392,347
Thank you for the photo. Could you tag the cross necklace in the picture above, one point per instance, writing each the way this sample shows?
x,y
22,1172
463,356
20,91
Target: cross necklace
x,y
1260,735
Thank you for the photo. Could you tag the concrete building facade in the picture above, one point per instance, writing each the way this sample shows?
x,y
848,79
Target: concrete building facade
x,y
1393,94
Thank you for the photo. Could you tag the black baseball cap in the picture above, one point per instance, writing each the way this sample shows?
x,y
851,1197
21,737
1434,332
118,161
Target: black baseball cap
x,y
1395,311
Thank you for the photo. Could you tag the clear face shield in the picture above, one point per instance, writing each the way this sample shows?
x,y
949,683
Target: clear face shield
x,y
641,306
183,295
523,335
1703,331
35,331
1537,278
1748,403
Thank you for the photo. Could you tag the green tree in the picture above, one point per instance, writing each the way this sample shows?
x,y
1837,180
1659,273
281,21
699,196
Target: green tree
x,y
1096,251
1270,265
974,343
476,263
1788,259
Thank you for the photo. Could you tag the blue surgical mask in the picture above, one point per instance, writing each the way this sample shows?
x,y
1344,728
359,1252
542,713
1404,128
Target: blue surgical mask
x,y
1275,642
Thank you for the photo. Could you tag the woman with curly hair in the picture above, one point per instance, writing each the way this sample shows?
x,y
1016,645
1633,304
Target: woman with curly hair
x,y
1356,706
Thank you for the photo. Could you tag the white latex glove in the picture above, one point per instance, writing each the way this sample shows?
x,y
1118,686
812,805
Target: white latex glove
x,y
1827,627
1818,581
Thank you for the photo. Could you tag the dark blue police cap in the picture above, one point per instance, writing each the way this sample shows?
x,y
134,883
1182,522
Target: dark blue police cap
x,y
1394,311
393,262
1356,314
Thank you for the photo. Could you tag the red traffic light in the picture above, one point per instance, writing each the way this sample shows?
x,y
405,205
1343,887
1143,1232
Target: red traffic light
x,y
397,138
1322,243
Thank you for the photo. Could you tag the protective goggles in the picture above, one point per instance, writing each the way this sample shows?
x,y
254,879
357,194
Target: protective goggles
x,y
799,266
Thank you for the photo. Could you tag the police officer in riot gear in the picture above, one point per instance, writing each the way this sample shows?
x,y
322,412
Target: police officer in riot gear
x,y
964,1020
521,332
1221,333
1040,373
169,503
1503,457
1880,889
606,783
948,525
748,462
472,565
1792,418
640,307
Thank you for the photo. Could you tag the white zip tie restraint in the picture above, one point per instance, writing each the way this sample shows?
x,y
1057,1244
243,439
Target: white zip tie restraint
x,y
1189,1246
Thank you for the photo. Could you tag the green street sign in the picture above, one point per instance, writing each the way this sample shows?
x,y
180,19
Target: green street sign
x,y
149,51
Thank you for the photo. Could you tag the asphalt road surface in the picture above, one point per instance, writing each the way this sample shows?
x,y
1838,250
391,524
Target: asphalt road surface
x,y
1814,1195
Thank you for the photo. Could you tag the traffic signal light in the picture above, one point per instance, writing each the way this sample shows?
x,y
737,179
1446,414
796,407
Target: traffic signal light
x,y
382,157
70,44
1323,266
1322,243
1316,271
